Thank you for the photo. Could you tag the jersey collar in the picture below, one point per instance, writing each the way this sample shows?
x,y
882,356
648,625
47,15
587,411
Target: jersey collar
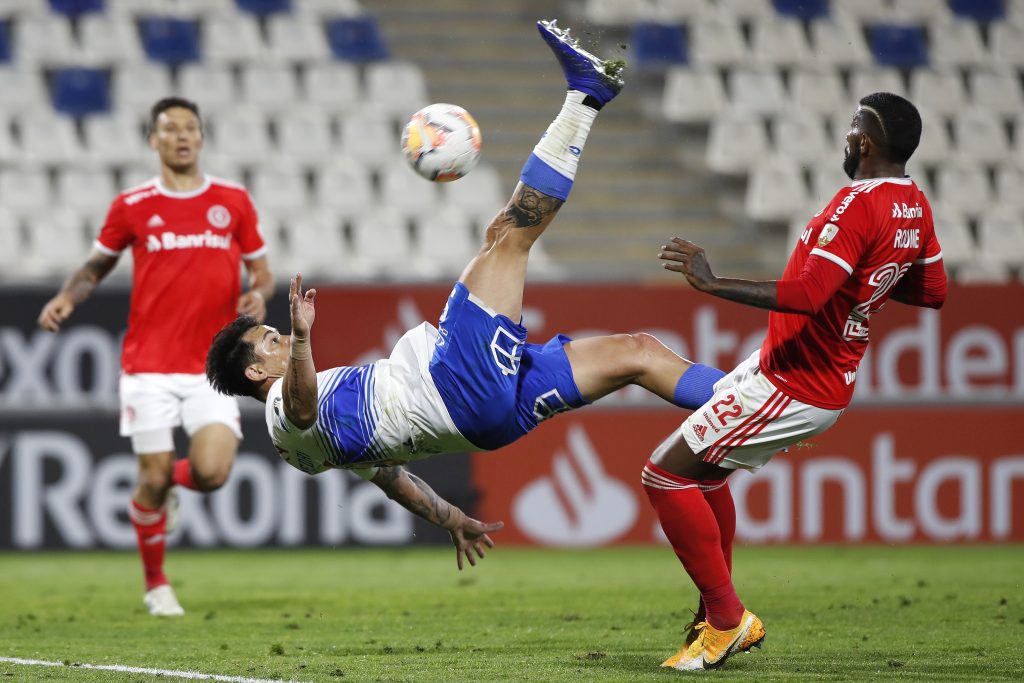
x,y
905,180
183,195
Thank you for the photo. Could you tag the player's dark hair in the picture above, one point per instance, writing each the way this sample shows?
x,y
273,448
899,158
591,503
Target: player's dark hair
x,y
899,121
229,356
171,103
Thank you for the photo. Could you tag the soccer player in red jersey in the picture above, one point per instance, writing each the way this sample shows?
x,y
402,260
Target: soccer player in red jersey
x,y
188,233
874,241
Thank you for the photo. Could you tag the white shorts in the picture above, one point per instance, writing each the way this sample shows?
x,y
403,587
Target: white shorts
x,y
749,420
158,402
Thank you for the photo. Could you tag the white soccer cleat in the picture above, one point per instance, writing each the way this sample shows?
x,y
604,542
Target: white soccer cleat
x,y
161,602
172,506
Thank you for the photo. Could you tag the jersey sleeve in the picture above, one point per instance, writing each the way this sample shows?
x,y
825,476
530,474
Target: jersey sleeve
x,y
249,237
116,234
843,238
366,473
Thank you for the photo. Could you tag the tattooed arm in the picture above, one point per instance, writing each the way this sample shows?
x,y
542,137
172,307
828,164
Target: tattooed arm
x,y
416,496
299,391
77,289
530,208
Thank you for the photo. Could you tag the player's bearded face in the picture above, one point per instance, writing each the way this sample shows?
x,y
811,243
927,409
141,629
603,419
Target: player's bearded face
x,y
177,138
852,159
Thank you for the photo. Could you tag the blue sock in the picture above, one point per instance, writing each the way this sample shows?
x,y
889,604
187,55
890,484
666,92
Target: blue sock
x,y
696,386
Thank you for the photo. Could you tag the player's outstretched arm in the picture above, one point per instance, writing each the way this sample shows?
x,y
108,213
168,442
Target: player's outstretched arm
x,y
299,391
682,256
469,535
77,289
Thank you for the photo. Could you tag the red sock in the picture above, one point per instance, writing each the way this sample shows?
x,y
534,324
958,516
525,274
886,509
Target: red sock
x,y
692,529
719,498
149,529
183,474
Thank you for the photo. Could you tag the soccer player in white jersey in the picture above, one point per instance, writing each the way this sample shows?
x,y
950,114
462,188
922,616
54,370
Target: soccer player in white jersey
x,y
473,384
188,232
874,241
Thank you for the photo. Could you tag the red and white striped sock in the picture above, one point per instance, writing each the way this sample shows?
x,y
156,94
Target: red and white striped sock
x,y
149,530
691,528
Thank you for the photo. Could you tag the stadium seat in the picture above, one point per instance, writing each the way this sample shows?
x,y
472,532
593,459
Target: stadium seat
x,y
76,8
981,136
5,41
1007,43
329,9
936,146
395,88
241,134
805,10
954,233
234,40
1009,181
404,190
940,91
920,11
296,38
105,40
819,91
137,174
780,43
88,191
48,139
444,243
344,186
381,238
116,140
58,242
1001,239
479,195
43,41
653,45
618,12
134,9
304,133
29,84
263,8
279,187
903,47
9,151
334,86
867,11
170,41
838,43
356,39
996,90
746,10
270,88
25,189
979,10
733,141
775,190
801,136
757,90
827,179
717,42
318,245
678,11
963,186
692,96
12,247
81,92
212,86
137,87
872,79
956,44
369,138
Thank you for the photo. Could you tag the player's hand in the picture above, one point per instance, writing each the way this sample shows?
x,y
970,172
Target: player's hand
x,y
682,256
253,304
470,537
302,307
55,312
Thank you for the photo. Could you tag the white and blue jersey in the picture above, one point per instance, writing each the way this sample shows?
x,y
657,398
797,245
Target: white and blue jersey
x,y
473,384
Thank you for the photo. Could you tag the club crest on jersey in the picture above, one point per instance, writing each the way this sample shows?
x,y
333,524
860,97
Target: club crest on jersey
x,y
218,216
828,233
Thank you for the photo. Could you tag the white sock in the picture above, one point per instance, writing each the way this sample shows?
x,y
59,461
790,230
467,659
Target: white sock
x,y
558,151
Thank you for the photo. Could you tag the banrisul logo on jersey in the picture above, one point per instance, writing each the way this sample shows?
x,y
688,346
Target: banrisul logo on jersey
x,y
167,241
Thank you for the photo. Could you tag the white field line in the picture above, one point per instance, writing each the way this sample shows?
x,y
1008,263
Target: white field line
x,y
191,675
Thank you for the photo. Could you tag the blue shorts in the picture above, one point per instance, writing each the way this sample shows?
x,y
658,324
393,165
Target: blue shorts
x,y
496,386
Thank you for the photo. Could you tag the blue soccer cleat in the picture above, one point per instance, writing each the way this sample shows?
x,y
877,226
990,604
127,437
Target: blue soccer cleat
x,y
599,78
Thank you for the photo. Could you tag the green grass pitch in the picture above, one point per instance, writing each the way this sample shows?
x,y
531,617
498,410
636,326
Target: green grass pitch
x,y
908,613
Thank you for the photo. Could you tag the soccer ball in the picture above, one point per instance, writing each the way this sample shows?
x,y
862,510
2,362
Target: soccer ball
x,y
442,142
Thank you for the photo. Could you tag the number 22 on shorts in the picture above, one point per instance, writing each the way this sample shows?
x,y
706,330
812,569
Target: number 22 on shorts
x,y
726,408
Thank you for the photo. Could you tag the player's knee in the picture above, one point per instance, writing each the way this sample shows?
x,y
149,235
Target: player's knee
x,y
211,476
637,350
154,479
